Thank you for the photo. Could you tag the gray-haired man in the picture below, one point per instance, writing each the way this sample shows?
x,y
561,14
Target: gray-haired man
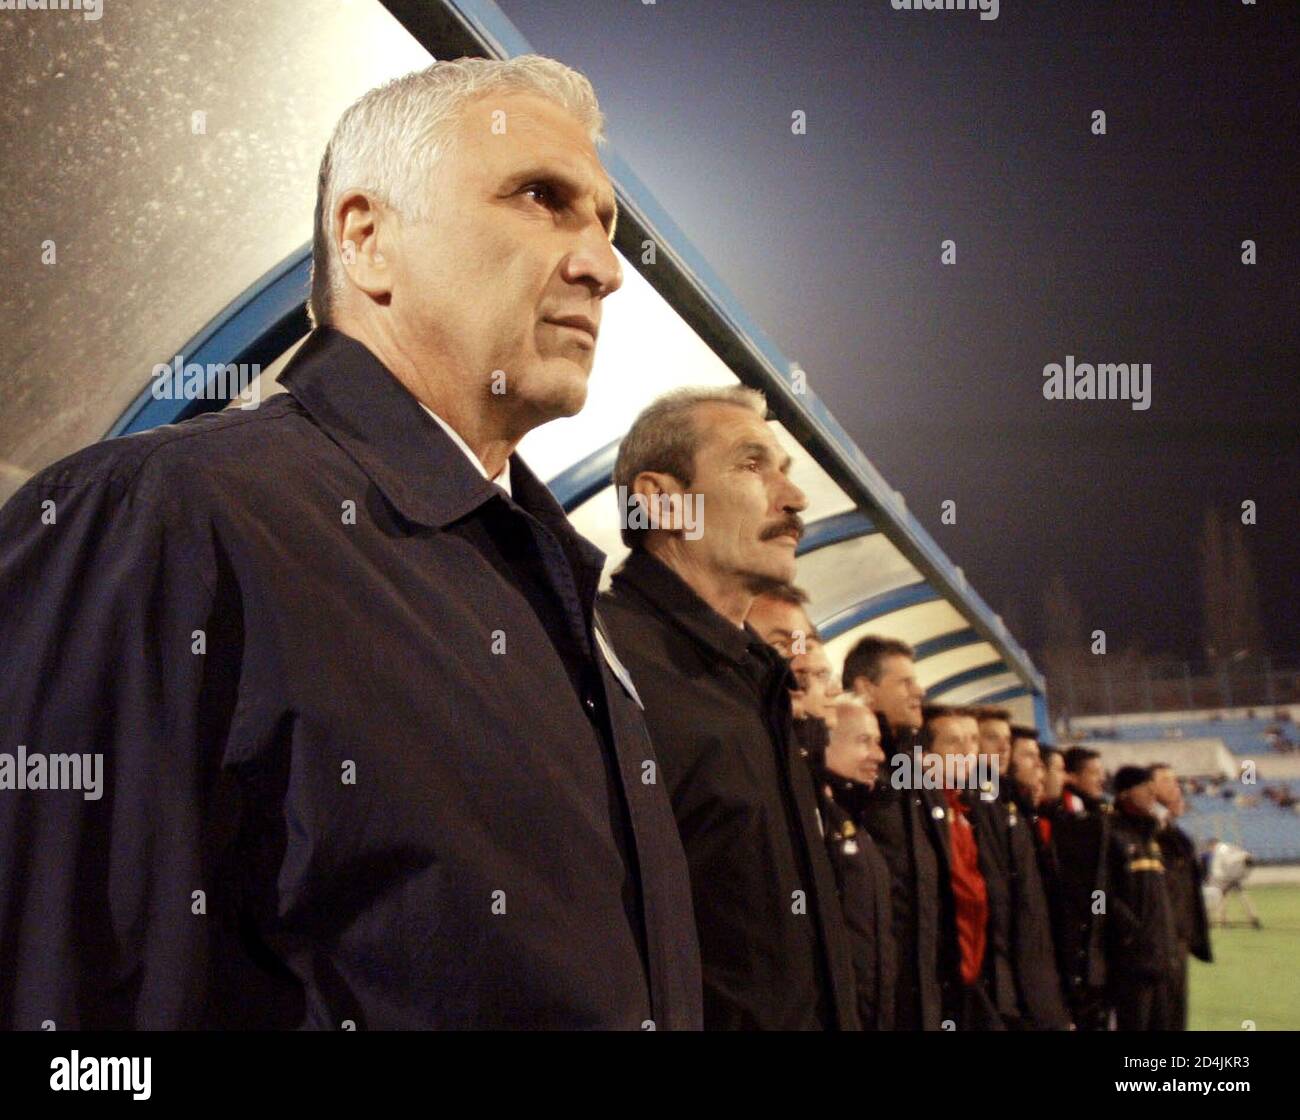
x,y
304,636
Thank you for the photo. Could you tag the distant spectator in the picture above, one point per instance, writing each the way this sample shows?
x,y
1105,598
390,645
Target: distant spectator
x,y
1183,878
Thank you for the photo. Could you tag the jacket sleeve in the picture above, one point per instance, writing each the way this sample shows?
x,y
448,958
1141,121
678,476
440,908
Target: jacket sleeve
x,y
107,635
1040,983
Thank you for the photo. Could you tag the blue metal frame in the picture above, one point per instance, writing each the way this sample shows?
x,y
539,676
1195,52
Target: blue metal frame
x,y
1012,693
1042,719
955,639
834,530
967,676
586,478
255,328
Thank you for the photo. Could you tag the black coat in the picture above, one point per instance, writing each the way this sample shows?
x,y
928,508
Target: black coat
x,y
1183,877
864,884
905,830
1078,876
1038,1002
773,943
1140,942
347,689
994,996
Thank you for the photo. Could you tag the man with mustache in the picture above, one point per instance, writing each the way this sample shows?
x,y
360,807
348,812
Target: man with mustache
x,y
304,637
774,949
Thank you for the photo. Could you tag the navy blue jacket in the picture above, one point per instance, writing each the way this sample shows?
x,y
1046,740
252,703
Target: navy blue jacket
x,y
364,762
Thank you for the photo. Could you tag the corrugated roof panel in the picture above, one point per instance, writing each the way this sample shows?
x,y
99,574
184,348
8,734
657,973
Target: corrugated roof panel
x,y
840,575
944,665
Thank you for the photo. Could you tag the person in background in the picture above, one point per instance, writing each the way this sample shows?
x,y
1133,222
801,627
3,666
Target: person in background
x,y
846,770
1183,880
1053,774
974,958
1079,821
1026,770
904,823
1038,1001
839,737
995,736
780,617
1141,949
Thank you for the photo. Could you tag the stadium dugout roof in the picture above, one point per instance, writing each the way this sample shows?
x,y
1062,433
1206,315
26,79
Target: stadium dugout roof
x,y
177,237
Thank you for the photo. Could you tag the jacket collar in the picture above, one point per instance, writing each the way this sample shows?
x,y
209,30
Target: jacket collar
x,y
671,596
360,405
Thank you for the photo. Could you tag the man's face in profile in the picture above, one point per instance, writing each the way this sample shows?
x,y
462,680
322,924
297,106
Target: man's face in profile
x,y
1026,768
897,695
854,751
518,238
783,626
1090,779
1167,790
818,687
995,741
955,735
750,519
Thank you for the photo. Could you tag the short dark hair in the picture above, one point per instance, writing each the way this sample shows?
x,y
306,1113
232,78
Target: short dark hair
x,y
1020,731
665,438
1076,758
983,713
865,659
1046,753
795,597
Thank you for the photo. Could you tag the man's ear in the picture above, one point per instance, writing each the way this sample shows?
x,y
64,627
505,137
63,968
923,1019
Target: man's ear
x,y
650,486
364,229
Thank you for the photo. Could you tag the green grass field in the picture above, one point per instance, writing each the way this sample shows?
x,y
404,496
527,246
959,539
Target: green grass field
x,y
1256,973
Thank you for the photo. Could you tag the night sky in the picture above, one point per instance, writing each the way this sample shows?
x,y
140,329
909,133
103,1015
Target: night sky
x,y
925,126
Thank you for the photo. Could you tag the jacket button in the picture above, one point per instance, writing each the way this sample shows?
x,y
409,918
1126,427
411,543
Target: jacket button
x,y
589,703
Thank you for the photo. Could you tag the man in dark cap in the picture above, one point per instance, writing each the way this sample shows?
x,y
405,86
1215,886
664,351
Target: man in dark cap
x,y
1140,947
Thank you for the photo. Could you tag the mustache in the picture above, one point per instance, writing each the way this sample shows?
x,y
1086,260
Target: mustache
x,y
792,524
